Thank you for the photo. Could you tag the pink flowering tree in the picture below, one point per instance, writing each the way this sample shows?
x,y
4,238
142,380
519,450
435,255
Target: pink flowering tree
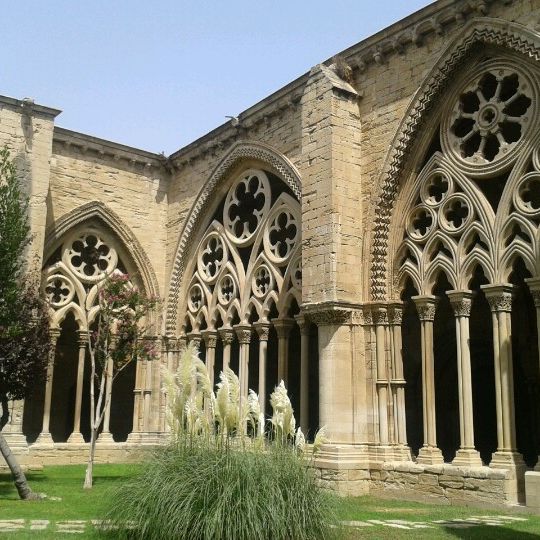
x,y
119,337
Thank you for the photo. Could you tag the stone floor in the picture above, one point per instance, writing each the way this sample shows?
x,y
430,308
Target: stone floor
x,y
80,526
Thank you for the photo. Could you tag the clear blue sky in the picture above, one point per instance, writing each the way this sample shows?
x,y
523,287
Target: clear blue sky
x,y
158,74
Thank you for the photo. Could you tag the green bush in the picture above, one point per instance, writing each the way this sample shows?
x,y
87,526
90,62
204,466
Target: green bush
x,y
228,473
200,492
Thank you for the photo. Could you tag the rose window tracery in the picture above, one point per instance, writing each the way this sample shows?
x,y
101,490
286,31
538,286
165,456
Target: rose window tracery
x,y
490,117
489,127
246,256
90,257
246,204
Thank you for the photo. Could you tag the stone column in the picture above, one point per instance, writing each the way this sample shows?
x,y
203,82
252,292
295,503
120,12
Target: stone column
x,y
499,298
380,319
243,332
76,435
395,317
45,435
283,329
263,329
534,287
210,341
429,453
461,304
303,324
227,337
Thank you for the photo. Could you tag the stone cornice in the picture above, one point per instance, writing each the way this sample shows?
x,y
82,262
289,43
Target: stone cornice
x,y
146,162
27,106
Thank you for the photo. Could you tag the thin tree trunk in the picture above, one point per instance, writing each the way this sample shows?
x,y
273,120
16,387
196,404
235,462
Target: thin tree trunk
x,y
18,476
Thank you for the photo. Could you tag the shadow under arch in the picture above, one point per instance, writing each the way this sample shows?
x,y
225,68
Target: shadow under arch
x,y
269,159
483,31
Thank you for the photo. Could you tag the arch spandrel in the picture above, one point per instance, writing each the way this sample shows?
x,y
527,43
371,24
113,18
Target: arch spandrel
x,y
500,36
256,154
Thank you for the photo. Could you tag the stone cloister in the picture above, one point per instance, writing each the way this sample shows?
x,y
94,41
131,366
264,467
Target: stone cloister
x,y
369,234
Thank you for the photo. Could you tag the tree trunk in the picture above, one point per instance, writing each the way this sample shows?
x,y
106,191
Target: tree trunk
x,y
88,478
18,476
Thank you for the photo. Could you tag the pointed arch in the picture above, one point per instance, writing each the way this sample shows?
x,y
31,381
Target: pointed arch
x,y
482,31
242,151
98,210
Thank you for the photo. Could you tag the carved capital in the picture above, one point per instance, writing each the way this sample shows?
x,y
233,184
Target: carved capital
x,y
243,333
330,315
283,327
195,338
210,338
263,329
395,314
303,324
499,297
461,302
226,335
380,315
426,306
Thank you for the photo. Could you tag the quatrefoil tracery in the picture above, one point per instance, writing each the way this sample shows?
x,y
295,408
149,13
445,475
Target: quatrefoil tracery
x,y
59,290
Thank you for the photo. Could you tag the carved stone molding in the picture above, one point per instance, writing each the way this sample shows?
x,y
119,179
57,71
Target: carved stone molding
x,y
380,315
512,36
240,151
426,307
329,314
534,287
303,324
195,338
461,302
283,327
499,297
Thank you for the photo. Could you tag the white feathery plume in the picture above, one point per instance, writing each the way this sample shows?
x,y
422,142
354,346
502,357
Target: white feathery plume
x,y
300,441
320,439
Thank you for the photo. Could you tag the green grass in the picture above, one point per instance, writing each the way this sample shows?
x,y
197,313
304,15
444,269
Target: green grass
x,y
66,482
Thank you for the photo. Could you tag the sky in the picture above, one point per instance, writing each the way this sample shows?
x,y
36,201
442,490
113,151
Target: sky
x,y
158,74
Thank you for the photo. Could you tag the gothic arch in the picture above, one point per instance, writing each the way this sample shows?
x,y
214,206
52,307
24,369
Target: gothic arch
x,y
482,31
241,151
128,241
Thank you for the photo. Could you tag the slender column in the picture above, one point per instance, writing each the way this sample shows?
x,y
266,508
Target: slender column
x,y
303,324
380,319
263,329
283,328
429,453
534,287
243,332
227,337
76,435
395,317
45,435
499,298
210,341
461,304
106,435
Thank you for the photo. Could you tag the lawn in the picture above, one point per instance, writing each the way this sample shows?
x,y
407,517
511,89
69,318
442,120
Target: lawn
x,y
77,504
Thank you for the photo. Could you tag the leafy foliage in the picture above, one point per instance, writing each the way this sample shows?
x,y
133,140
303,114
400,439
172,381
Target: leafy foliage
x,y
225,475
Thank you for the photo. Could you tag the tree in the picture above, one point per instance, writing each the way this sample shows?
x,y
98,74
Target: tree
x,y
24,324
118,338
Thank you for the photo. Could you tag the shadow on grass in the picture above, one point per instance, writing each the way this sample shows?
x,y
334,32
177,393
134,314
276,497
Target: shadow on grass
x,y
500,533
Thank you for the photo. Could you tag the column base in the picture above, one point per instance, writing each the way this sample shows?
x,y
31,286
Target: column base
x,y
402,453
105,438
16,440
507,460
76,438
429,455
467,458
44,439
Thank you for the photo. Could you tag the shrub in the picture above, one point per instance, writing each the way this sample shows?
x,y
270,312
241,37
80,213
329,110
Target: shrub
x,y
224,475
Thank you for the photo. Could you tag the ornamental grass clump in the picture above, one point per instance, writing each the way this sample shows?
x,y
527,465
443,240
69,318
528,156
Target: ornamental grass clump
x,y
227,473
